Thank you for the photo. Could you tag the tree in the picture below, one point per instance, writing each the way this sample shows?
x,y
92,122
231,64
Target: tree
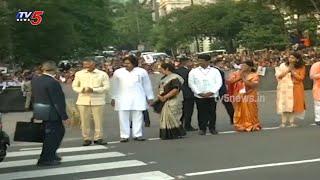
x,y
132,24
180,27
4,33
68,27
264,28
229,22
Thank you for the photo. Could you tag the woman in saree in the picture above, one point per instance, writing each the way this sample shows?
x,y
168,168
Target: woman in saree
x,y
71,97
290,91
234,85
246,99
170,95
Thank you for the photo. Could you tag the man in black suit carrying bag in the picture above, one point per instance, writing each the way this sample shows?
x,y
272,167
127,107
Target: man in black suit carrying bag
x,y
49,106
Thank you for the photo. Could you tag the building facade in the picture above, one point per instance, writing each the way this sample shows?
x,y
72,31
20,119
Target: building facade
x,y
167,6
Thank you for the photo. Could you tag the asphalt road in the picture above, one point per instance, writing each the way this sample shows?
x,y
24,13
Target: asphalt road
x,y
274,153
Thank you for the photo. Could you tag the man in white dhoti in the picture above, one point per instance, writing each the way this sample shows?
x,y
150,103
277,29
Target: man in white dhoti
x,y
130,87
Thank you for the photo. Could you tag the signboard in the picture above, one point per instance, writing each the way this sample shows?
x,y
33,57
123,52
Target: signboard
x,y
261,71
148,59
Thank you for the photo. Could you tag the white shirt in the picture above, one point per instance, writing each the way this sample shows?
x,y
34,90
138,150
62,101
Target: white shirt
x,y
131,89
97,80
3,85
205,80
13,83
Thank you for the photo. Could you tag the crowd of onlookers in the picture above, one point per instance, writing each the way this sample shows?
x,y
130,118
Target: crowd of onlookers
x,y
263,58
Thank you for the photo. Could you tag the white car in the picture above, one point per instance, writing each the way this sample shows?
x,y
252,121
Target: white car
x,y
151,57
214,52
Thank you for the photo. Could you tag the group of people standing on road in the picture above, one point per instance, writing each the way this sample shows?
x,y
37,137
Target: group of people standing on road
x,y
179,89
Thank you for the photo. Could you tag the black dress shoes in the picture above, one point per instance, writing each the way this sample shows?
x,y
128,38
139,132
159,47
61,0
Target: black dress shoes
x,y
58,158
100,142
48,163
202,133
139,139
124,140
318,123
86,143
213,131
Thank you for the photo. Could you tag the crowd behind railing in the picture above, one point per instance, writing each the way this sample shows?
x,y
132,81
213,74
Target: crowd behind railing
x,y
261,58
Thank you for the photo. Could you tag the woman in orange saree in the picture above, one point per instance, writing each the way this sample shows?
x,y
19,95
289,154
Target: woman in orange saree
x,y
246,100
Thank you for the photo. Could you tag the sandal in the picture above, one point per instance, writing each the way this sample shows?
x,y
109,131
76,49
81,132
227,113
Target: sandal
x,y
282,125
293,125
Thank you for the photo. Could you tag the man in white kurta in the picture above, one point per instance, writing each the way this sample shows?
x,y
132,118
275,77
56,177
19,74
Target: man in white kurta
x,y
130,87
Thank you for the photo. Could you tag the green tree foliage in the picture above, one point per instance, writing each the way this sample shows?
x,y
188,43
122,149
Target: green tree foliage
x,y
252,24
132,24
69,27
264,27
4,33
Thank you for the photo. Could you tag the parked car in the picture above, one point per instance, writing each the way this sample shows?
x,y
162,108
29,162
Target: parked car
x,y
151,57
214,52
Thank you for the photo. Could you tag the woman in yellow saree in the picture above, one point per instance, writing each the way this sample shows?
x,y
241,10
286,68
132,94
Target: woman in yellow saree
x,y
246,99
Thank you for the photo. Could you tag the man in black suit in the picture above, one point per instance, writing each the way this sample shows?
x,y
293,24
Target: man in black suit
x,y
188,96
47,90
223,90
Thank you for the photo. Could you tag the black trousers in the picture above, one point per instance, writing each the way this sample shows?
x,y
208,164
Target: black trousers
x,y
206,113
146,117
229,107
54,132
188,105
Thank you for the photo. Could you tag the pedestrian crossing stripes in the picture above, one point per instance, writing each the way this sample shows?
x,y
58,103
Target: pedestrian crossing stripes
x,y
153,175
71,169
30,149
91,162
65,159
61,150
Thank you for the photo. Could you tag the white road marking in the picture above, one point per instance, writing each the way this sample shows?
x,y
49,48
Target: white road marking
x,y
61,150
30,149
153,175
71,170
270,128
227,132
253,167
29,162
153,139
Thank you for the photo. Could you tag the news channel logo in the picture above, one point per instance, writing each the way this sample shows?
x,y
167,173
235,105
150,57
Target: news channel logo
x,y
34,17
